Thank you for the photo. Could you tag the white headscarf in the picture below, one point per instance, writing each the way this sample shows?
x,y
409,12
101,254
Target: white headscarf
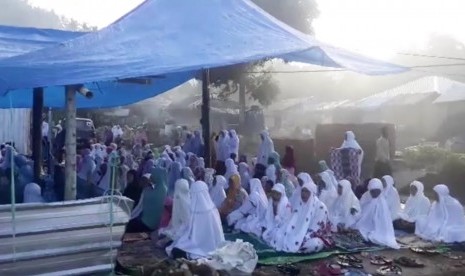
x,y
231,169
445,221
375,224
33,194
306,179
328,194
204,233
416,206
223,146
245,175
306,218
233,143
392,197
351,143
217,193
266,147
341,211
274,222
181,213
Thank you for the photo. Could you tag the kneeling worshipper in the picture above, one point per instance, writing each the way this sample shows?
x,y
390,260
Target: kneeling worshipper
x,y
235,196
249,216
33,194
287,181
181,214
417,206
204,233
217,191
309,228
146,216
392,196
328,192
346,208
302,178
375,224
324,168
445,221
277,213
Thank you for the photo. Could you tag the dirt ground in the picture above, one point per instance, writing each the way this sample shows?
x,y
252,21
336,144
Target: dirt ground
x,y
140,257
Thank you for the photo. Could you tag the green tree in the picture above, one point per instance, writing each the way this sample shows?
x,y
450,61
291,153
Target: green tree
x,y
245,78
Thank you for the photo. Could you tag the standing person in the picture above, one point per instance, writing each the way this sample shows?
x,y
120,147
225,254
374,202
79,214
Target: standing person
x,y
351,143
265,149
383,155
288,161
233,145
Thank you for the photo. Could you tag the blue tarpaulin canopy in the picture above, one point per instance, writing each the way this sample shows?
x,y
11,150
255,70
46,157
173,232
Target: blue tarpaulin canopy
x,y
167,37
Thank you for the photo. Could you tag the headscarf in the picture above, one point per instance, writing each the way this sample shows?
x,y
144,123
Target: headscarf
x,y
445,221
324,168
188,175
266,147
197,143
286,181
174,175
273,168
351,143
188,146
209,177
245,175
375,224
201,162
306,179
231,169
328,194
309,218
204,233
133,189
341,211
223,146
235,196
33,194
181,213
180,156
416,206
289,159
274,222
392,197
259,200
233,143
217,191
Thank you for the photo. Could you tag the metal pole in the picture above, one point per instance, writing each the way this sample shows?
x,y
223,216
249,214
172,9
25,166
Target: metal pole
x,y
51,170
70,143
206,116
37,105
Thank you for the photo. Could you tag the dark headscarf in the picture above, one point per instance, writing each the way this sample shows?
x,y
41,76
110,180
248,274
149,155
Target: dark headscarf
x,y
289,159
133,189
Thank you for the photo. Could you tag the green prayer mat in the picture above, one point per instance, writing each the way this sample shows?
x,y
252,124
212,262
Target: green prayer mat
x,y
269,256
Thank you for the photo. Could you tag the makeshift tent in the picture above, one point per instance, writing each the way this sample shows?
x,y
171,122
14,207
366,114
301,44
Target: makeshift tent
x,y
171,36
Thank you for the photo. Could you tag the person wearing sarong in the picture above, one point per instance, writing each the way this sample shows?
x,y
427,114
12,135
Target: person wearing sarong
x,y
417,206
217,191
235,196
351,143
392,196
248,217
204,232
277,213
375,224
308,230
346,208
327,191
146,216
445,221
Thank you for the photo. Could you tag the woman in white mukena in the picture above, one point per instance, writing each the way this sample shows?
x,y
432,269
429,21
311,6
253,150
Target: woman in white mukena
x,y
346,209
417,206
392,196
277,213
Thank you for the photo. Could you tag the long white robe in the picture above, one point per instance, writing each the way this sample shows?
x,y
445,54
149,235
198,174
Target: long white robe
x,y
392,197
295,198
266,147
417,205
274,222
233,143
375,224
181,214
217,191
341,211
445,221
329,193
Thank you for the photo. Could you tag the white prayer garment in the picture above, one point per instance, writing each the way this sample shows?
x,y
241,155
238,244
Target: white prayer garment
x,y
303,179
233,143
32,194
308,229
417,204
277,213
392,196
217,191
248,218
181,213
231,169
204,232
328,193
445,221
266,147
346,209
375,224
351,143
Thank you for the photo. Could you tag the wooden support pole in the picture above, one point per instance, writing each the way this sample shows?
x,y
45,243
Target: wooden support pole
x,y
206,116
37,106
70,143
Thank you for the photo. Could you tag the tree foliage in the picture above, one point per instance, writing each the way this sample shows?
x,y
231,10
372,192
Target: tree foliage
x,y
261,86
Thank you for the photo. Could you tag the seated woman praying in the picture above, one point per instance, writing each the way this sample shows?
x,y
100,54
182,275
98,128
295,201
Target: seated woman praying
x,y
309,229
302,178
445,221
181,214
217,191
146,216
392,196
417,206
375,224
277,213
327,191
346,208
204,233
249,216
235,196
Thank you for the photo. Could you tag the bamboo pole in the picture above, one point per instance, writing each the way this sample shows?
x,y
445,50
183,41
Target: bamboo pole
x,y
206,116
70,143
37,106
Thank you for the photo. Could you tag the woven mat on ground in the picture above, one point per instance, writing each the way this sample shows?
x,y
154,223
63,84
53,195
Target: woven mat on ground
x,y
268,256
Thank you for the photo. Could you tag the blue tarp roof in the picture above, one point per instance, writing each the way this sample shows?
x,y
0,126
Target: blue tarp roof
x,y
174,36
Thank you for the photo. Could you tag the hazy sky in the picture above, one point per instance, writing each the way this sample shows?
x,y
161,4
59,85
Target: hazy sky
x,y
375,27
